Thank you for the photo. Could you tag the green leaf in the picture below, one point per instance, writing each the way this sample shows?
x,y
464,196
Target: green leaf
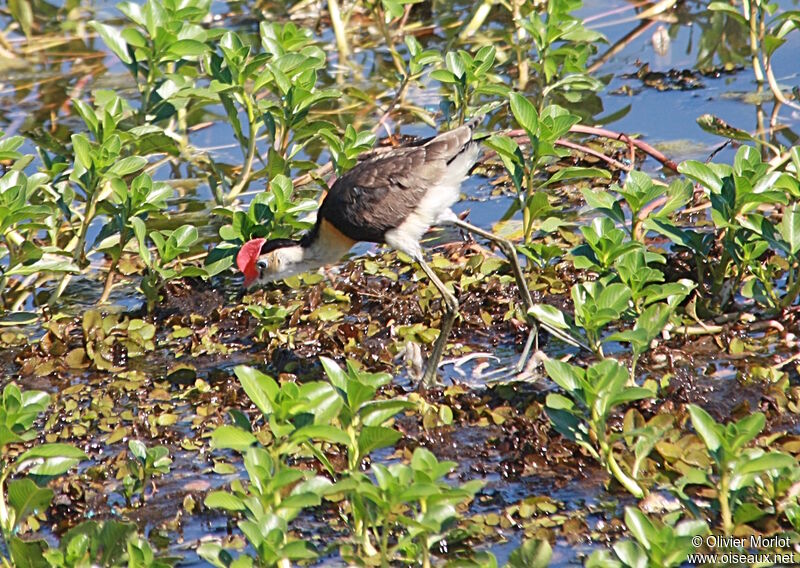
x,y
549,315
683,237
601,559
27,498
570,426
298,550
706,427
702,174
532,554
556,323
641,527
771,43
299,501
23,13
49,459
358,393
558,401
128,165
82,149
321,432
140,231
719,127
747,513
323,400
746,430
138,449
455,65
631,554
772,460
335,373
443,76
729,10
789,228
28,554
377,412
232,437
261,388
188,48
224,500
113,39
375,438
629,395
18,318
525,113
567,376
184,236
155,17
48,263
615,297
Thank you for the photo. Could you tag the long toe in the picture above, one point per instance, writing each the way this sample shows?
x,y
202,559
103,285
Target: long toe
x,y
411,357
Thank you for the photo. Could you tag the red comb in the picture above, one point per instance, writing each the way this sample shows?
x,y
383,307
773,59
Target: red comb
x,y
247,257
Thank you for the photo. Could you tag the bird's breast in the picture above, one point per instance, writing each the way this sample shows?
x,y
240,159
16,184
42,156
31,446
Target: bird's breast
x,y
331,244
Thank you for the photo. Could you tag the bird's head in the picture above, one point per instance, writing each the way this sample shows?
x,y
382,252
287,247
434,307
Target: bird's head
x,y
263,261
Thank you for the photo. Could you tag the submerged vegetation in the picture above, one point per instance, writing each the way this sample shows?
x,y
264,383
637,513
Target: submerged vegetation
x,y
152,414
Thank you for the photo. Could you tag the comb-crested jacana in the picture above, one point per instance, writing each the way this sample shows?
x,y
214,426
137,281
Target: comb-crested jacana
x,y
392,197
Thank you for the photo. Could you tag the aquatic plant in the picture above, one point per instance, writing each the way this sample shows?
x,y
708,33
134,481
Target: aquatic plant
x,y
583,417
25,496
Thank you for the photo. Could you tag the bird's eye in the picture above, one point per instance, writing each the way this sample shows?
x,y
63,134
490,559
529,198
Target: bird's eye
x,y
261,264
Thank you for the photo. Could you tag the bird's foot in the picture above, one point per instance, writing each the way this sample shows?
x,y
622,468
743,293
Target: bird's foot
x,y
411,357
459,362
531,373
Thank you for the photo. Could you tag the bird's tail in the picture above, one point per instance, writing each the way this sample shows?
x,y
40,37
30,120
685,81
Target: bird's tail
x,y
476,120
449,145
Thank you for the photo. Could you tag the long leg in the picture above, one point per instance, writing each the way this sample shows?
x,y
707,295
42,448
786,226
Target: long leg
x,y
511,253
451,304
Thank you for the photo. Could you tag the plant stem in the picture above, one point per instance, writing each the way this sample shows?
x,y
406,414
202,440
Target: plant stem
x,y
426,554
754,43
522,56
109,280
79,254
477,20
694,330
641,145
385,544
724,504
615,470
387,37
527,221
3,507
792,289
24,294
145,480
339,30
6,49
251,152
774,87
399,96
62,285
363,532
634,360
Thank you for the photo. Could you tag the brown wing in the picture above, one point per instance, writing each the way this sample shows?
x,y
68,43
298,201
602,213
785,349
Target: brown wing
x,y
378,194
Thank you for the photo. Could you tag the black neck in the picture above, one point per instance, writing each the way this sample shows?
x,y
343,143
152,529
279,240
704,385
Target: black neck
x,y
311,236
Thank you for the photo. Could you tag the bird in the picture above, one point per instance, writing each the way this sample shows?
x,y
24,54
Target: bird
x,y
391,197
